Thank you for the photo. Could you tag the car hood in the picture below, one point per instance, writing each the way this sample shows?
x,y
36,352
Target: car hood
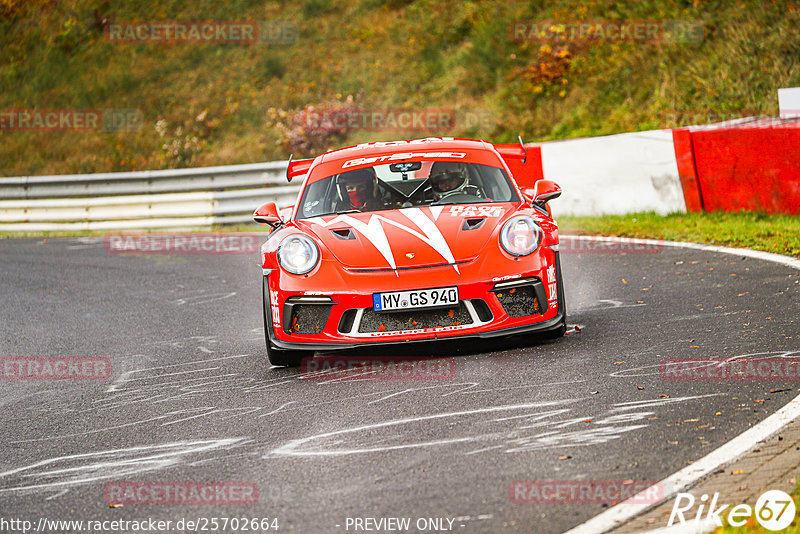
x,y
408,237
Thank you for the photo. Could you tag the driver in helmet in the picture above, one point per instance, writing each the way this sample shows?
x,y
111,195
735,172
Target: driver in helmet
x,y
358,190
448,178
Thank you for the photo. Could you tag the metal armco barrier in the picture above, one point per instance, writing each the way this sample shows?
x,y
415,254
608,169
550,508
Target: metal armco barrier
x,y
141,200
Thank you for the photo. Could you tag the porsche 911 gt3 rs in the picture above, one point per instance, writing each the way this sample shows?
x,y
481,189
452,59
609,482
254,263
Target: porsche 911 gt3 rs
x,y
405,241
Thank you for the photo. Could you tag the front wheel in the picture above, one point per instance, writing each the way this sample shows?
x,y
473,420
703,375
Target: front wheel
x,y
278,357
285,358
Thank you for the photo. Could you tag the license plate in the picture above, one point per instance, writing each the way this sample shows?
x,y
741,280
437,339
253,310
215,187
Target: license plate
x,y
416,298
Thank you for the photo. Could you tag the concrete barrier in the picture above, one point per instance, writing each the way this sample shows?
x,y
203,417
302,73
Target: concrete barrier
x,y
615,174
752,165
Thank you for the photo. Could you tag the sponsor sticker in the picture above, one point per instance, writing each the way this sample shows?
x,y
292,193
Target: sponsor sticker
x,y
475,211
403,156
276,311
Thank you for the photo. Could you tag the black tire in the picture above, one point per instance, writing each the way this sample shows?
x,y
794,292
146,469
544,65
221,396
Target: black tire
x,y
286,358
278,357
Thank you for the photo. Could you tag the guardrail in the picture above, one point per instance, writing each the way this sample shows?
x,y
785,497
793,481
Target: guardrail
x,y
142,200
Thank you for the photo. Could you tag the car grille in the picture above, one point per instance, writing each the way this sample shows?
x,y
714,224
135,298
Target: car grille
x,y
373,321
522,300
308,318
482,310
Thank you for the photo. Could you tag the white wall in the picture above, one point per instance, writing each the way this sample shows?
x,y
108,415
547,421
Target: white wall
x,y
615,174
789,101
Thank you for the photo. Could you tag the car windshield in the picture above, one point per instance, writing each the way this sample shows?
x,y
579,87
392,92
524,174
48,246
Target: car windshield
x,y
405,185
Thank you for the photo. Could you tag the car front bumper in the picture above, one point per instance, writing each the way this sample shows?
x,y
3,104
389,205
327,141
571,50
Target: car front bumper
x,y
343,317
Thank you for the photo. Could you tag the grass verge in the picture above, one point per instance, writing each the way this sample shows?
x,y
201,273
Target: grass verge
x,y
770,233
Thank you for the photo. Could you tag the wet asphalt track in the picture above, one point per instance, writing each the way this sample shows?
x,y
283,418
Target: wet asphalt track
x,y
192,398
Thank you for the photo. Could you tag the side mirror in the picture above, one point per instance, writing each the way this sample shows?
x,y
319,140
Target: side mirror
x,y
544,191
267,214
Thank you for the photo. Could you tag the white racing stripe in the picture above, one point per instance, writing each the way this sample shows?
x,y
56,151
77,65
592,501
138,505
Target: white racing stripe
x,y
374,233
733,449
433,237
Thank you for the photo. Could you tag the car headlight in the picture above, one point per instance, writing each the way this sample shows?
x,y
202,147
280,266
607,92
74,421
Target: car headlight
x,y
520,235
298,254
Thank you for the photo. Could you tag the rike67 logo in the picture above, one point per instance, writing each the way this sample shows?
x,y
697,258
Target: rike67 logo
x,y
774,510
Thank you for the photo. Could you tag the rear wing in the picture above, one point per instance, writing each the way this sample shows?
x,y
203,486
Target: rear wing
x,y
524,162
297,167
513,151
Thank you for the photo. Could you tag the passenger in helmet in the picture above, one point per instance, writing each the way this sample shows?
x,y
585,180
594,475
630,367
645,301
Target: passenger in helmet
x,y
448,178
357,190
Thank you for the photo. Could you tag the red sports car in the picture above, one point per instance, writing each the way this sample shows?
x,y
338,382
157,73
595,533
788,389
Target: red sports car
x,y
404,241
